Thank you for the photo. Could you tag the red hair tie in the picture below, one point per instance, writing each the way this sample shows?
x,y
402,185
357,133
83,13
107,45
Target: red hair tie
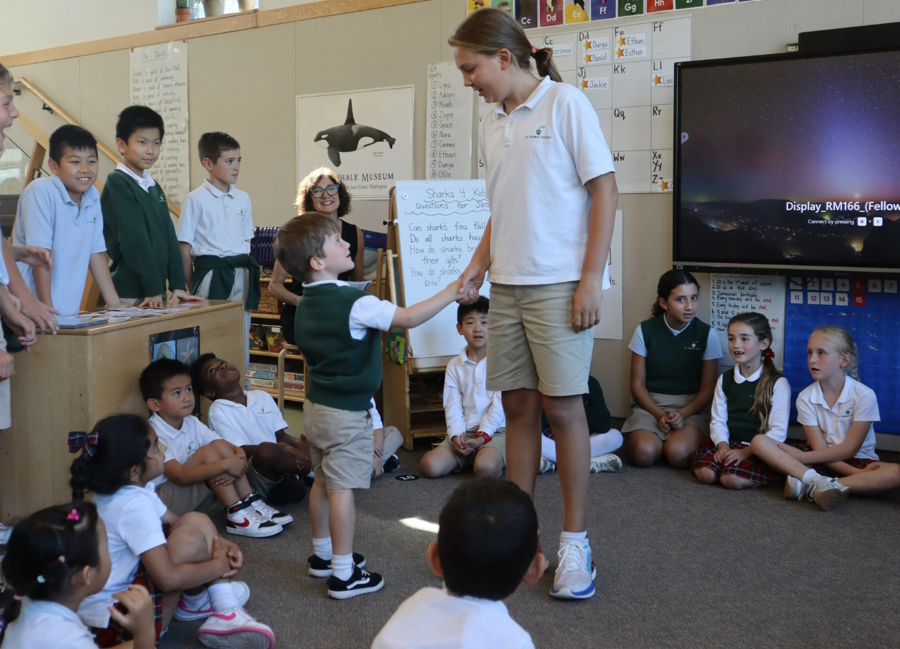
x,y
769,353
533,51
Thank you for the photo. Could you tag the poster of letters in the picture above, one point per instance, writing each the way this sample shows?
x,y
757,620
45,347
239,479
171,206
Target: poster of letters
x,y
159,78
364,135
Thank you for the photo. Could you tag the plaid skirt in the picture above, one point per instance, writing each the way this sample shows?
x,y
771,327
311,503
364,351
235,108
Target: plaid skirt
x,y
855,462
114,634
752,468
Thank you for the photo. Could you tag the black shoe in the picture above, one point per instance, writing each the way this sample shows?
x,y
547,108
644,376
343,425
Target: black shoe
x,y
319,567
360,583
391,464
287,492
308,480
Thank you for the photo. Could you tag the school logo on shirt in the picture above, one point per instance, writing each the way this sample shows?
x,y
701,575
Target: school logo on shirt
x,y
162,198
539,134
848,412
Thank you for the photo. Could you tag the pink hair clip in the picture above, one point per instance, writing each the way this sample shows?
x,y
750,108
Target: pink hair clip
x,y
533,50
73,515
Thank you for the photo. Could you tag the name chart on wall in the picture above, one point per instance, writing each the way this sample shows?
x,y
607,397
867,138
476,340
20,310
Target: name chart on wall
x,y
159,79
733,294
449,149
439,225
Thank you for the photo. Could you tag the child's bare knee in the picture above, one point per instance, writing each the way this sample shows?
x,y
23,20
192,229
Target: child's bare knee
x,y
705,475
677,455
429,467
642,455
223,448
488,469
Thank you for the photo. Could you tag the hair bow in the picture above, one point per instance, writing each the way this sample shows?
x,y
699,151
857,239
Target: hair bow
x,y
533,50
73,516
769,353
84,442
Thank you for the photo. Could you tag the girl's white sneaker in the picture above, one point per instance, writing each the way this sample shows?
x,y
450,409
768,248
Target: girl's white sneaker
x,y
235,629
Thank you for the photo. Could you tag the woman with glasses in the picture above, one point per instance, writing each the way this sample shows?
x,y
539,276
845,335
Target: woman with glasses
x,y
320,191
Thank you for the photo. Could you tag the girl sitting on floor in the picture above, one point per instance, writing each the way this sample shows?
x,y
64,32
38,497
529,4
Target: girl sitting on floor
x,y
753,399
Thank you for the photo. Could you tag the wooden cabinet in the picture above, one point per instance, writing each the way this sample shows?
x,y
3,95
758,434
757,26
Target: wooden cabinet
x,y
267,360
413,400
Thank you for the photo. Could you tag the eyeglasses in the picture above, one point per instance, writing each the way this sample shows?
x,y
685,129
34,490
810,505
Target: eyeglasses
x,y
317,191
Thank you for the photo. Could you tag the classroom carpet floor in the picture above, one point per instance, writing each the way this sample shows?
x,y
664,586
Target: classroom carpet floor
x,y
679,564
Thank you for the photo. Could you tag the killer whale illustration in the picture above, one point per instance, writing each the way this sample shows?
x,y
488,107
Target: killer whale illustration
x,y
348,136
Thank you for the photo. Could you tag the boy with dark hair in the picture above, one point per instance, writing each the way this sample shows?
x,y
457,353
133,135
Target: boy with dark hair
x,y
276,462
140,237
61,214
475,419
215,230
487,545
338,330
197,460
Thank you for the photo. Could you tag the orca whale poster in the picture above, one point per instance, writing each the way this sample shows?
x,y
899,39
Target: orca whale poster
x,y
364,135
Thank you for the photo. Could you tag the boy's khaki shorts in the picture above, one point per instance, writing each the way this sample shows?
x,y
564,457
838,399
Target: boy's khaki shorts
x,y
187,498
341,443
532,344
498,441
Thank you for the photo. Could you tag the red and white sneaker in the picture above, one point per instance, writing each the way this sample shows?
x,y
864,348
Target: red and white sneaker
x,y
235,629
185,614
243,519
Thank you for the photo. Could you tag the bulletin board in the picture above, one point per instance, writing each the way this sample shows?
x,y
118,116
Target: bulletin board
x,y
870,310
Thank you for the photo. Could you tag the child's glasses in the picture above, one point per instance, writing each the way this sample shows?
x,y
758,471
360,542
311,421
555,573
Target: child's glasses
x,y
317,191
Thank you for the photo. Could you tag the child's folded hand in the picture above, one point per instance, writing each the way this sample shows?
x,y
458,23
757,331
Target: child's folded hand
x,y
459,445
138,615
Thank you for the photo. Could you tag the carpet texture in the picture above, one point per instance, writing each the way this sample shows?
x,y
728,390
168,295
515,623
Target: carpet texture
x,y
679,564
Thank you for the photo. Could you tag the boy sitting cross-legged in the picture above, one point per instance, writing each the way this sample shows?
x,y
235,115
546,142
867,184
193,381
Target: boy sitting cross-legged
x,y
198,461
475,419
338,329
62,215
486,546
276,462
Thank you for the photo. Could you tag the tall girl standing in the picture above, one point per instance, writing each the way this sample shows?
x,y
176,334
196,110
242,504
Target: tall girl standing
x,y
552,192
674,362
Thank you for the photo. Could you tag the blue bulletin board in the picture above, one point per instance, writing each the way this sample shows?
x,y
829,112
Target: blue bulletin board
x,y
870,310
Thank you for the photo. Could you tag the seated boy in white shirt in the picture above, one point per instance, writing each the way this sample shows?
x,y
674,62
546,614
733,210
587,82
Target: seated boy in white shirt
x,y
486,546
215,230
276,462
475,420
62,214
197,461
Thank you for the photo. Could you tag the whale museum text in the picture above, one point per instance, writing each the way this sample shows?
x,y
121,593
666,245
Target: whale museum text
x,y
364,177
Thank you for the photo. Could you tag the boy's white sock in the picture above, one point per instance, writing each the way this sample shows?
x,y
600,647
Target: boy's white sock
x,y
223,597
342,566
809,476
194,602
569,537
322,548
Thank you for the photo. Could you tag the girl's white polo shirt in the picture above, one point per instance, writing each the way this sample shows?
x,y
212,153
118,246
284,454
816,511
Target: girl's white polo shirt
x,y
537,160
856,403
47,625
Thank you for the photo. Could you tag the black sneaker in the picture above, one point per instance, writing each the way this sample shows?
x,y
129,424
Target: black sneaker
x,y
360,583
319,567
391,464
287,492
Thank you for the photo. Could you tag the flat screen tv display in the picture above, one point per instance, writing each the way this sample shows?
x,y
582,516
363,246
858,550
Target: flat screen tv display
x,y
789,161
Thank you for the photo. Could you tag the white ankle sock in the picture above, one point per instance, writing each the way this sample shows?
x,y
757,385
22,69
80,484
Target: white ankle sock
x,y
322,548
223,597
194,602
569,537
809,476
342,566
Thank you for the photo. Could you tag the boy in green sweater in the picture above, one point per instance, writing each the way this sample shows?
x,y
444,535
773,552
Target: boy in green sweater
x,y
140,237
338,330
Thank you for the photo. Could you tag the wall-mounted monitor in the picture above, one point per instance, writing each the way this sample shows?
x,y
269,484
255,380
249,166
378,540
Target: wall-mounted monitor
x,y
788,161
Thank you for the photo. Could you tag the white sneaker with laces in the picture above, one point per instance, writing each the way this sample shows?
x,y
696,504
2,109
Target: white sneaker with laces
x,y
185,614
546,465
574,577
606,463
794,489
235,629
270,513
244,520
826,492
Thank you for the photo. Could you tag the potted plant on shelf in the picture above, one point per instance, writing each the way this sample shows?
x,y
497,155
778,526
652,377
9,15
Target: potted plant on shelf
x,y
183,10
214,7
247,5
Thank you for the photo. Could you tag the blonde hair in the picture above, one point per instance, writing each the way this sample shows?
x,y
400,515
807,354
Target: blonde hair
x,y
843,345
762,397
6,78
487,31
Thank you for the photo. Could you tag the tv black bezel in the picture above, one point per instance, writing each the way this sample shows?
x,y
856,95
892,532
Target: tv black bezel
x,y
744,265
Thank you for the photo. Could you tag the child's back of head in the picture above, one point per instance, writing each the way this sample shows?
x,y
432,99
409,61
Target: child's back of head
x,y
488,538
108,453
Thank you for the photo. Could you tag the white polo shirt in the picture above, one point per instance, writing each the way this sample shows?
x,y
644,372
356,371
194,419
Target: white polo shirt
x,y
49,218
133,526
253,424
435,618
856,403
537,160
216,223
468,403
47,625
181,444
779,414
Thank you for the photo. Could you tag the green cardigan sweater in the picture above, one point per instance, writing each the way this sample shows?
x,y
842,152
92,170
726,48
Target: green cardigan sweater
x,y
140,238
